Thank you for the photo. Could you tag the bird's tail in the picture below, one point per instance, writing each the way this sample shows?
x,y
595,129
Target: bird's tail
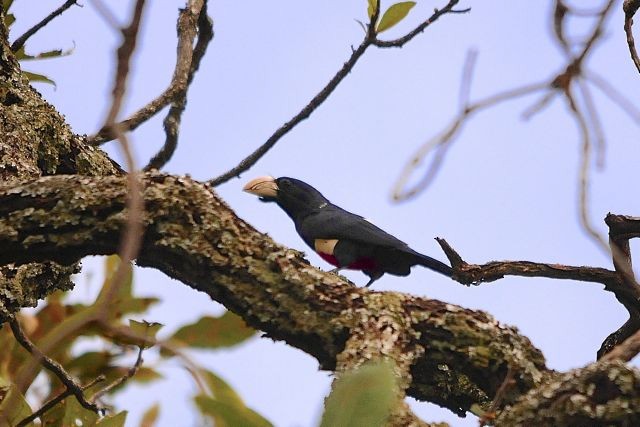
x,y
434,264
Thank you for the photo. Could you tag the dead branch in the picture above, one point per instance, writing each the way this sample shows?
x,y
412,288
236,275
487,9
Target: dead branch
x,y
369,39
20,41
171,122
53,366
178,81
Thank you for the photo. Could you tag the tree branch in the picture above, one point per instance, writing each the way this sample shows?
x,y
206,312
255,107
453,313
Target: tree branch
x,y
370,39
178,82
192,236
53,366
20,41
171,122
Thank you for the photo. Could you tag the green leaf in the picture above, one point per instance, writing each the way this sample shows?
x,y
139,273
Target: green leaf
x,y
394,14
150,416
230,414
21,55
362,398
35,77
145,331
113,421
220,389
371,8
69,413
214,332
13,406
9,19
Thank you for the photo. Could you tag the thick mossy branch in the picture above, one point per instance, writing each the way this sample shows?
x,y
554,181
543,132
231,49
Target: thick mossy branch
x,y
456,356
602,394
34,141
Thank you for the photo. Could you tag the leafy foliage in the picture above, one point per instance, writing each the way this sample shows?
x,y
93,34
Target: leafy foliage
x,y
362,398
21,54
57,327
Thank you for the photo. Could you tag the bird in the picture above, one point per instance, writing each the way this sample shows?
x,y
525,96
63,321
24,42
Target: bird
x,y
341,238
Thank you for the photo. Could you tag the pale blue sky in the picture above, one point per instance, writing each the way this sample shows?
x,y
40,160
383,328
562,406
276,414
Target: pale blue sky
x,y
507,190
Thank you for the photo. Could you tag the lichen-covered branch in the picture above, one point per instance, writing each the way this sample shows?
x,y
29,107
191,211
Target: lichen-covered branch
x,y
456,357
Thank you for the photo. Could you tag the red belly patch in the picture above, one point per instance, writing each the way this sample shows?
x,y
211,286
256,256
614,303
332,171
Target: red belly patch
x,y
360,264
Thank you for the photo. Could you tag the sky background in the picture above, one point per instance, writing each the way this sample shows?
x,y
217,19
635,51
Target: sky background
x,y
508,188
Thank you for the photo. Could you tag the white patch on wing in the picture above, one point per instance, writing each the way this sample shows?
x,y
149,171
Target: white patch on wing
x,y
325,246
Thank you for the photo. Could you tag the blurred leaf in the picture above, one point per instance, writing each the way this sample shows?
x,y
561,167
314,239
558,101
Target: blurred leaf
x,y
214,332
363,397
13,405
21,55
229,414
69,413
146,331
34,77
150,416
394,14
123,302
90,364
117,420
220,389
371,7
9,19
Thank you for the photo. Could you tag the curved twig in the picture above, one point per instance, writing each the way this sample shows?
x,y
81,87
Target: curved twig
x,y
370,39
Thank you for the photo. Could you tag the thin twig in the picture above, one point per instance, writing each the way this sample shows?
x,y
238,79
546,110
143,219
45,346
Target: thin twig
x,y
490,414
132,234
585,168
171,122
370,39
130,373
474,274
401,41
53,402
614,95
596,123
442,141
20,41
630,7
625,351
53,366
178,82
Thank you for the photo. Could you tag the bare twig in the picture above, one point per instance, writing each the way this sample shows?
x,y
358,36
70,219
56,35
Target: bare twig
x,y
53,366
509,381
630,7
625,351
53,402
20,41
585,168
189,15
442,141
621,282
614,95
621,230
132,234
370,39
399,42
172,120
130,373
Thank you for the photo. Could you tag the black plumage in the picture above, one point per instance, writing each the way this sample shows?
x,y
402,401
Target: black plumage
x,y
343,239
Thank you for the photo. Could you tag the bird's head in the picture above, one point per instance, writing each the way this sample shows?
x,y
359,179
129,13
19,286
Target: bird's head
x,y
296,197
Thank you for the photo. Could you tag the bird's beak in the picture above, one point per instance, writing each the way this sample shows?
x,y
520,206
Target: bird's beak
x,y
264,186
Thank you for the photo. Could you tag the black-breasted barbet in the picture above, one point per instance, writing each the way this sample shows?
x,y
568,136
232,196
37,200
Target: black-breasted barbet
x,y
343,239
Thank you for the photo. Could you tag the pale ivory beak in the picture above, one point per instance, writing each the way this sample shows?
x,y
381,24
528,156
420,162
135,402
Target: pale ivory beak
x,y
264,186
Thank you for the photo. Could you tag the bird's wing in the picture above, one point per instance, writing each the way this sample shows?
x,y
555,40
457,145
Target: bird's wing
x,y
333,222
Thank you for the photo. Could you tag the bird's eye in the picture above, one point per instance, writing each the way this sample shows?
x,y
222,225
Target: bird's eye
x,y
284,182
